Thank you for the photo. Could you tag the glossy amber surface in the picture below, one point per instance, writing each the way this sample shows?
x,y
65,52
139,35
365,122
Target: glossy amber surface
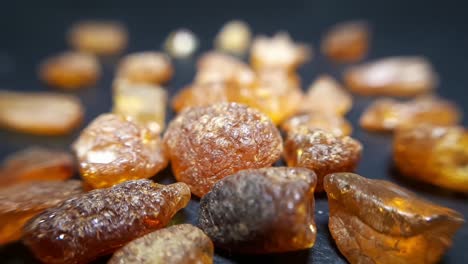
x,y
146,67
333,123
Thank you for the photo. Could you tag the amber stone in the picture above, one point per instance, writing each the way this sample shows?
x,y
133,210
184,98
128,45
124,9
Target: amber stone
x,y
206,144
433,154
36,163
146,67
321,151
22,201
332,123
267,210
201,94
375,221
179,244
393,76
347,41
234,37
113,149
41,113
100,221
181,43
388,114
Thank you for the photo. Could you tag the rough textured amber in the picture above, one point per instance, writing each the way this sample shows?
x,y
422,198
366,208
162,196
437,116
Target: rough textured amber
x,y
206,144
375,221
261,211
113,149
179,244
22,201
234,37
389,114
393,76
202,94
433,154
40,112
318,120
346,42
146,67
100,221
321,151
181,43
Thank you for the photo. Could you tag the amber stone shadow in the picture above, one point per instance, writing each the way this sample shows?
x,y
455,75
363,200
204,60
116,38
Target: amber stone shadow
x,y
15,253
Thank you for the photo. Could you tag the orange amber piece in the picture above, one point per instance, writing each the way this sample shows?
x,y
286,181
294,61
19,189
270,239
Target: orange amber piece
x,y
206,144
433,154
394,76
22,201
146,67
389,114
318,120
375,221
179,244
201,94
267,210
113,149
101,221
40,113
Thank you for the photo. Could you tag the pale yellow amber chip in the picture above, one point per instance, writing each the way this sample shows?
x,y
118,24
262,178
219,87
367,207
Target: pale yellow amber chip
x,y
234,37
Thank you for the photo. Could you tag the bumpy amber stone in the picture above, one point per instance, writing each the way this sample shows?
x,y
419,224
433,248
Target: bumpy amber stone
x,y
234,37
375,221
98,222
146,67
389,114
321,151
394,76
206,144
265,210
202,94
22,201
318,120
113,149
181,43
179,244
40,113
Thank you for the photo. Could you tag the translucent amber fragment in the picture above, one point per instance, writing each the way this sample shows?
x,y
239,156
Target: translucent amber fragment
x,y
22,201
98,222
181,43
40,112
321,151
394,76
204,94
265,210
179,244
375,221
346,42
389,114
143,103
113,149
234,37
318,120
146,67
206,144
433,154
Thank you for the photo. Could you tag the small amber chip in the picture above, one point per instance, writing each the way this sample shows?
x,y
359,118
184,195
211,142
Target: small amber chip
x,y
202,94
22,201
318,120
394,76
113,149
375,221
40,113
181,43
101,221
234,37
346,42
179,244
146,67
389,114
267,210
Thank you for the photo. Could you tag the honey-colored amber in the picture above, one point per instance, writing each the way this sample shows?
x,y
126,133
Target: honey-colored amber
x,y
335,124
146,67
181,43
375,221
201,94
234,37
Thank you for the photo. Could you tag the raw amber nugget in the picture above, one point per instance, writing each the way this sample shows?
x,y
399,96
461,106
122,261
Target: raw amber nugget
x,y
40,113
179,244
318,120
113,149
234,37
202,94
375,221
146,67
433,154
206,144
265,210
321,151
98,222
22,201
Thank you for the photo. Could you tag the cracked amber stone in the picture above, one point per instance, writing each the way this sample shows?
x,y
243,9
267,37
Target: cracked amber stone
x,y
179,244
318,120
234,37
146,67
202,94
375,221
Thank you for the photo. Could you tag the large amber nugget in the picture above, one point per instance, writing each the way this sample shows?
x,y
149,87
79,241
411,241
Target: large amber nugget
x,y
40,113
433,154
394,76
318,120
113,149
98,222
206,144
389,114
146,67
202,94
179,244
321,151
375,221
265,210
22,201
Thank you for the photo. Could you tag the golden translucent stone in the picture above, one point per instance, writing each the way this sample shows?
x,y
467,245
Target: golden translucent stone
x,y
375,221
234,37
146,67
201,94
181,43
335,124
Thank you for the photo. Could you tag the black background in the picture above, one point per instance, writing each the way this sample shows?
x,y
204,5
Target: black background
x,y
436,29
